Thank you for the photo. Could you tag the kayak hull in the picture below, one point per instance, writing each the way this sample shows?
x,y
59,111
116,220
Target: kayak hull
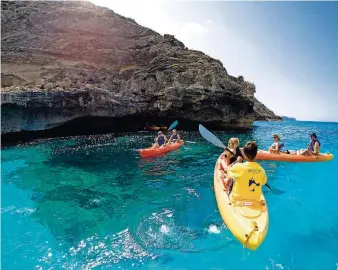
x,y
266,155
151,152
248,223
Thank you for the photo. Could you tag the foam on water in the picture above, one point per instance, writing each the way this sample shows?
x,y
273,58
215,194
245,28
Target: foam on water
x,y
164,229
213,229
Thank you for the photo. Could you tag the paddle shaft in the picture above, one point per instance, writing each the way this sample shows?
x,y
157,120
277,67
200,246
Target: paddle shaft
x,y
173,125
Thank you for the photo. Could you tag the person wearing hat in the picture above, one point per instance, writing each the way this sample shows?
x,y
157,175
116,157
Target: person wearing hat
x,y
313,146
160,140
276,146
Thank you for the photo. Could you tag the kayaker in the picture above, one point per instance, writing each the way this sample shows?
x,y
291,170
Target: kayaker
x,y
233,153
313,146
174,137
160,140
277,146
246,179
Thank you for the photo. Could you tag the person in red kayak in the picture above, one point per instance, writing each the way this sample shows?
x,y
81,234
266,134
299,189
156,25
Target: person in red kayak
x,y
174,137
275,147
160,140
313,147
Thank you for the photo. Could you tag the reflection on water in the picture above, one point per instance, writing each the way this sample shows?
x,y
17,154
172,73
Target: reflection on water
x,y
156,166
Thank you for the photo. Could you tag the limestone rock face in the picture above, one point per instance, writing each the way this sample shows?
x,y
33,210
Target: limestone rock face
x,y
67,60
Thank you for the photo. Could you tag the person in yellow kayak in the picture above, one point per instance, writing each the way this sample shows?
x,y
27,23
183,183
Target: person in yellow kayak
x,y
160,140
174,137
246,179
232,153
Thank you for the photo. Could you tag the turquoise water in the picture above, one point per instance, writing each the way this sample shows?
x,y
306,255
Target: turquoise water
x,y
91,203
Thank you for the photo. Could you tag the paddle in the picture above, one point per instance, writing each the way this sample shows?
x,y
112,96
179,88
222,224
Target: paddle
x,y
206,134
274,190
210,137
173,125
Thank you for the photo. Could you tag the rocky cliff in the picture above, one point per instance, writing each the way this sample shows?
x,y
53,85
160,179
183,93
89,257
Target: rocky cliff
x,y
264,113
74,62
286,118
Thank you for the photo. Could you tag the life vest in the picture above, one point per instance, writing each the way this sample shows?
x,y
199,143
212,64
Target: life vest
x,y
237,154
174,137
312,144
160,140
280,146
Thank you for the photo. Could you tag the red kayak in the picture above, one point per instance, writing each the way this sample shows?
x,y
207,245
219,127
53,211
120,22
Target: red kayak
x,y
293,157
150,152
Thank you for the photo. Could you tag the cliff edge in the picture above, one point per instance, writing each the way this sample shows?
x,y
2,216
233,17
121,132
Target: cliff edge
x,y
65,61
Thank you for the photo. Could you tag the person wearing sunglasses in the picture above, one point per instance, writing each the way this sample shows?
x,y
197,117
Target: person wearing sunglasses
x,y
160,140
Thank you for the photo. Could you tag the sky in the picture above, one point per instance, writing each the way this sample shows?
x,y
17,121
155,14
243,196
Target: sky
x,y
289,50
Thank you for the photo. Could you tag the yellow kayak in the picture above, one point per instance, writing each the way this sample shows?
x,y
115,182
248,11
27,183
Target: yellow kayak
x,y
247,220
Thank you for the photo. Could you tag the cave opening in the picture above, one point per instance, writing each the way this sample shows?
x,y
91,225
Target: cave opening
x,y
93,125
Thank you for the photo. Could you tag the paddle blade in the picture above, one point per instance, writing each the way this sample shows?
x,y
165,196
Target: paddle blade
x,y
206,134
173,125
274,190
277,191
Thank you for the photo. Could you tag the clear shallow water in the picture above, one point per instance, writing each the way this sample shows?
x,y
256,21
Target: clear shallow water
x,y
92,203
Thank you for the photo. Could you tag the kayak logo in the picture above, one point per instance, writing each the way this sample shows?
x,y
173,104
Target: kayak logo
x,y
251,182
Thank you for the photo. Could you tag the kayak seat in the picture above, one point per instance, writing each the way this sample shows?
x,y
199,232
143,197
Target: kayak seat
x,y
249,209
250,212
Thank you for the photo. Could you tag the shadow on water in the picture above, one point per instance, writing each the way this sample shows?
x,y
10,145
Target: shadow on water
x,y
93,125
157,166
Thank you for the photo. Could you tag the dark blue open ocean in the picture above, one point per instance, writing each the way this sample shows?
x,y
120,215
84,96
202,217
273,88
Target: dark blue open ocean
x,y
91,203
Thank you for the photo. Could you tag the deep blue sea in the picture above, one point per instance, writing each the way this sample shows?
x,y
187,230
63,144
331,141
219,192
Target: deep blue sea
x,y
91,202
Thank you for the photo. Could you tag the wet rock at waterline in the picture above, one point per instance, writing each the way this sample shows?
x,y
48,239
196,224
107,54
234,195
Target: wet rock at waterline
x,y
63,61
